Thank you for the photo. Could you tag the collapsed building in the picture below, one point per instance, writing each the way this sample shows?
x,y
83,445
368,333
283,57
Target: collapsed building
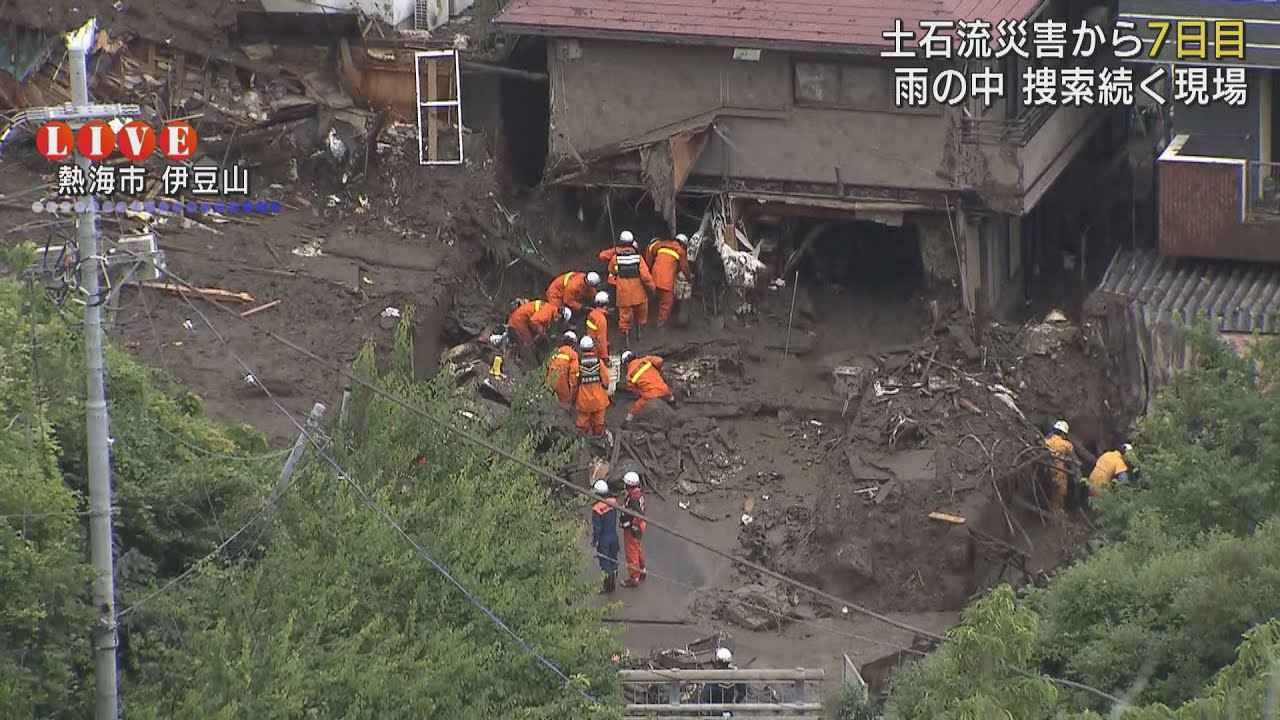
x,y
785,114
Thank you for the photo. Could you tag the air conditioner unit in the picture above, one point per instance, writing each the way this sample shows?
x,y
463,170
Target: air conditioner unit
x,y
430,14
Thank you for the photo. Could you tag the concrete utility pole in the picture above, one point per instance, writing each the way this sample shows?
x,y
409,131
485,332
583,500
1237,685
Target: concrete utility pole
x,y
312,427
107,706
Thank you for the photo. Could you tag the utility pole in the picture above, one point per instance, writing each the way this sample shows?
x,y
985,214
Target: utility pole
x,y
312,427
79,44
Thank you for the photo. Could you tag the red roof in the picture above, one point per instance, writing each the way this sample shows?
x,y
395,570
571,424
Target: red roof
x,y
795,23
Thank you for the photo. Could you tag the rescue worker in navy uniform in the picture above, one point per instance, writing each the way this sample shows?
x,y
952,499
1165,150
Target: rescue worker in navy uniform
x,y
722,693
604,534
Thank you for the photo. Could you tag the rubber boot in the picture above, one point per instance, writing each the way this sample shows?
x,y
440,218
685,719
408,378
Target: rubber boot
x,y
610,583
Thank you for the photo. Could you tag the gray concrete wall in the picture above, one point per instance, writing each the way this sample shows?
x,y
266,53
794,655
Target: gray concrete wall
x,y
1227,120
762,133
641,87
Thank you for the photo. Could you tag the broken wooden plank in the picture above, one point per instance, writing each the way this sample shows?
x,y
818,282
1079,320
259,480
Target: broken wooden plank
x,y
206,293
885,490
260,308
944,517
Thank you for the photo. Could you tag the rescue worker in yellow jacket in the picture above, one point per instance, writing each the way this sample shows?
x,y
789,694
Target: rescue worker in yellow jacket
x,y
1112,466
1062,450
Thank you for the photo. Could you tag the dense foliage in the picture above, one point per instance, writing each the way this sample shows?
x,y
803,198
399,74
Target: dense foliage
x,y
319,609
1175,608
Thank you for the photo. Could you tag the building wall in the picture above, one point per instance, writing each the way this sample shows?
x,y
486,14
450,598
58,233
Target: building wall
x,y
1220,119
641,87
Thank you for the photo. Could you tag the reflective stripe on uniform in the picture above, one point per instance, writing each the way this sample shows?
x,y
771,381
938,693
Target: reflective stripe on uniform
x,y
537,305
669,251
592,326
628,265
636,375
589,373
567,276
562,356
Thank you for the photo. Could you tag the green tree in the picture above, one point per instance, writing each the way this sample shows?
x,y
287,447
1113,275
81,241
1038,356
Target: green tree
x,y
342,618
1210,451
1156,613
976,674
1248,689
44,613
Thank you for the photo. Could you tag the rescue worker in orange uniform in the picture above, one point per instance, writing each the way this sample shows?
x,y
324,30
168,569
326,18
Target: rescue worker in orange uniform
x,y
1111,467
626,242
604,534
634,285
644,378
573,289
666,258
591,396
562,371
598,324
531,319
633,530
1062,450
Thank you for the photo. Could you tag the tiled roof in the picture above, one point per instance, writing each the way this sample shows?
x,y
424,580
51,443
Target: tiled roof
x,y
795,23
1233,296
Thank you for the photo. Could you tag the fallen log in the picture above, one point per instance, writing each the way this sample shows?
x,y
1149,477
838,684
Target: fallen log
x,y
211,294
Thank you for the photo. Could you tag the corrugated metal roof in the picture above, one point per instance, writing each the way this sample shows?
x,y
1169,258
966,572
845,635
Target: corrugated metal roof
x,y
796,23
1235,296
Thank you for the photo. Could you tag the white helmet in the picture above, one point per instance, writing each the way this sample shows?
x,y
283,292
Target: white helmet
x,y
566,313
631,479
626,238
1062,427
586,344
593,278
570,336
723,655
601,487
602,298
626,357
1126,449
684,239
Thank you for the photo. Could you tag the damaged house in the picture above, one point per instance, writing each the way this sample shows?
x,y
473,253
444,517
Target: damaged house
x,y
786,114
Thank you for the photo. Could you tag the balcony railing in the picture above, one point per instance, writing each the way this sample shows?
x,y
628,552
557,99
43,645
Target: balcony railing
x,y
1016,130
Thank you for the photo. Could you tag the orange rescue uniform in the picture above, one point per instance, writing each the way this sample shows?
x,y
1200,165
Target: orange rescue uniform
x,y
598,330
633,536
644,380
607,256
666,258
570,290
1110,465
1061,449
532,319
634,285
562,373
591,397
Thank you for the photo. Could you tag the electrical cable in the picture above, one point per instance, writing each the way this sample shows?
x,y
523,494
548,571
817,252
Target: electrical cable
x,y
187,573
799,621
542,472
547,474
382,513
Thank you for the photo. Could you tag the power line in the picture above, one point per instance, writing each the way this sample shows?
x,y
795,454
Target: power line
x,y
547,474
542,472
799,621
187,573
384,515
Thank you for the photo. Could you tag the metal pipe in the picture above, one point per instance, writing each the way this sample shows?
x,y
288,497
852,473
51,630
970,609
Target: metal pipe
x,y
707,675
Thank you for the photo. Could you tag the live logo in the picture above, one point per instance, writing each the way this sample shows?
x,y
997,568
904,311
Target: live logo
x,y
135,140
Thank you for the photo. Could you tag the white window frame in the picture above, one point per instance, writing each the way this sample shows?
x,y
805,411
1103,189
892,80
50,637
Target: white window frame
x,y
456,103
